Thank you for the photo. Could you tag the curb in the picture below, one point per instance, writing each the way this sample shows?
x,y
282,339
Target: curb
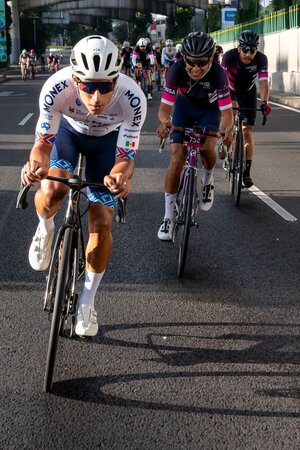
x,y
284,99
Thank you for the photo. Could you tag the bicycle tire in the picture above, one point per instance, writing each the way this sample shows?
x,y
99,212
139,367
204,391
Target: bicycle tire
x,y
58,308
185,227
238,168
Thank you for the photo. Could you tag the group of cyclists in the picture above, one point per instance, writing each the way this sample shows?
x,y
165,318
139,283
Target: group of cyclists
x,y
148,59
93,108
28,62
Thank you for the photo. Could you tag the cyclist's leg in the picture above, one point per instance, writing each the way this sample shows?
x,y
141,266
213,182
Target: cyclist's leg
x,y
49,197
249,101
210,119
100,216
173,172
149,79
137,72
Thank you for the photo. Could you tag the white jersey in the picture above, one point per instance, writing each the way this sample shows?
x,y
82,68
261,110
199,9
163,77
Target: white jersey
x,y
59,97
167,56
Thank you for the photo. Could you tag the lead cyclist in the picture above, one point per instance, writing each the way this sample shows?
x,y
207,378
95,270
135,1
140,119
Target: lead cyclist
x,y
88,107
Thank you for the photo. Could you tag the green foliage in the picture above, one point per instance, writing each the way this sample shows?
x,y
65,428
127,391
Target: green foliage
x,y
171,27
248,10
281,4
138,30
183,18
214,18
179,24
33,33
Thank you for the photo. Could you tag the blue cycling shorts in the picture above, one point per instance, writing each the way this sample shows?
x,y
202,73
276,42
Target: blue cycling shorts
x,y
187,114
99,152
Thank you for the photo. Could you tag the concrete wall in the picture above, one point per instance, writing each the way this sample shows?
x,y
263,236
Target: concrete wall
x,y
283,52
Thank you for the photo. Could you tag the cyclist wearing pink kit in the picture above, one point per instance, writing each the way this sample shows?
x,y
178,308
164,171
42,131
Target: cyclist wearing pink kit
x,y
244,65
198,88
92,108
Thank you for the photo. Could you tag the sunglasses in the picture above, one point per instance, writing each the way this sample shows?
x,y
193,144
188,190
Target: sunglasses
x,y
195,62
142,46
251,50
90,87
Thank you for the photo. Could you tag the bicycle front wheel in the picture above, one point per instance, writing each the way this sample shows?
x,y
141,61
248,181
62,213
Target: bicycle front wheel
x,y
238,166
185,220
58,316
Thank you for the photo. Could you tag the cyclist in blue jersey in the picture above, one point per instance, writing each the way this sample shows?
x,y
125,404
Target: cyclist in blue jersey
x,y
92,108
198,87
245,65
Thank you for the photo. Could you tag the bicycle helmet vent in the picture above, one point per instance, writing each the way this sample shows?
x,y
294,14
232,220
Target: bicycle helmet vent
x,y
249,38
198,44
95,58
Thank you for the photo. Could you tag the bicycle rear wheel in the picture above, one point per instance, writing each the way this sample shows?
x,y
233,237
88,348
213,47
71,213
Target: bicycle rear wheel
x,y
185,220
59,308
238,166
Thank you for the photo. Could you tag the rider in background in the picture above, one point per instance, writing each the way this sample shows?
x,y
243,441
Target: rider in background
x,y
24,63
143,58
178,54
126,55
92,108
168,55
244,65
199,88
218,53
32,63
50,61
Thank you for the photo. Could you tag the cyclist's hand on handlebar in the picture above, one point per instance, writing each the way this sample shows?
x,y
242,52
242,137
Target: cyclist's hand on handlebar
x,y
33,172
265,108
118,184
226,136
163,129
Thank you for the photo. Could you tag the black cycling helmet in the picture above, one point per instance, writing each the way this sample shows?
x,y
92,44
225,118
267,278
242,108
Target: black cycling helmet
x,y
198,44
249,38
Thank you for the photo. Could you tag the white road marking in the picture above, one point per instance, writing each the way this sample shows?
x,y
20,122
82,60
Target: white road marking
x,y
277,208
285,106
6,93
25,119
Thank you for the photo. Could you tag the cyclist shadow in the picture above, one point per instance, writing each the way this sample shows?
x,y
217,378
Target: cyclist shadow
x,y
183,348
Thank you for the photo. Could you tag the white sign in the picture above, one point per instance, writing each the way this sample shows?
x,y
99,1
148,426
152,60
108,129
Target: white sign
x,y
227,17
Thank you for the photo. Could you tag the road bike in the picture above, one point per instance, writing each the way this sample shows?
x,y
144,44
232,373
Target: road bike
x,y
67,263
187,199
235,160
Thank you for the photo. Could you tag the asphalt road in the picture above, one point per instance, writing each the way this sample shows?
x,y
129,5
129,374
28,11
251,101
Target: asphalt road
x,y
210,362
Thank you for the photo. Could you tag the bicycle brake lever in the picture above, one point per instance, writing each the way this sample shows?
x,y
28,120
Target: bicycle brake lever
x,y
21,200
121,211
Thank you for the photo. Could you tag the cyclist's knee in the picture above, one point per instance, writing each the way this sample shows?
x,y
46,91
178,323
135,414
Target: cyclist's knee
x,y
100,219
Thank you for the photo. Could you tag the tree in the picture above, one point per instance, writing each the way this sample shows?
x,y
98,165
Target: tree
x,y
183,17
213,18
248,9
140,25
8,20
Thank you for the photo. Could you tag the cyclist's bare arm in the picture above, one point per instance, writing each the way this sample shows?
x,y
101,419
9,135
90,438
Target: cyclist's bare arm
x,y
227,124
264,90
164,117
118,181
36,168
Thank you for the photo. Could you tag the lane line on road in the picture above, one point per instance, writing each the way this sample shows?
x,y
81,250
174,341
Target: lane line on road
x,y
285,106
25,119
277,208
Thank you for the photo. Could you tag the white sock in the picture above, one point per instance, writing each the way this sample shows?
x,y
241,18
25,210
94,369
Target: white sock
x,y
207,176
169,206
91,283
46,225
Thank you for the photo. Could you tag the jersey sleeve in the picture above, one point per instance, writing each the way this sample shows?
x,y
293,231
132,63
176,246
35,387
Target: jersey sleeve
x,y
223,94
263,68
134,107
169,94
49,119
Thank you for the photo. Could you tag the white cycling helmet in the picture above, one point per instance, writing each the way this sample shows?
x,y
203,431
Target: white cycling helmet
x,y
178,47
169,42
24,51
142,42
126,44
94,58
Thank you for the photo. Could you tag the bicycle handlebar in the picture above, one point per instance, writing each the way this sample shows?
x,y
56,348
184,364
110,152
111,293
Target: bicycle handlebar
x,y
76,184
242,109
